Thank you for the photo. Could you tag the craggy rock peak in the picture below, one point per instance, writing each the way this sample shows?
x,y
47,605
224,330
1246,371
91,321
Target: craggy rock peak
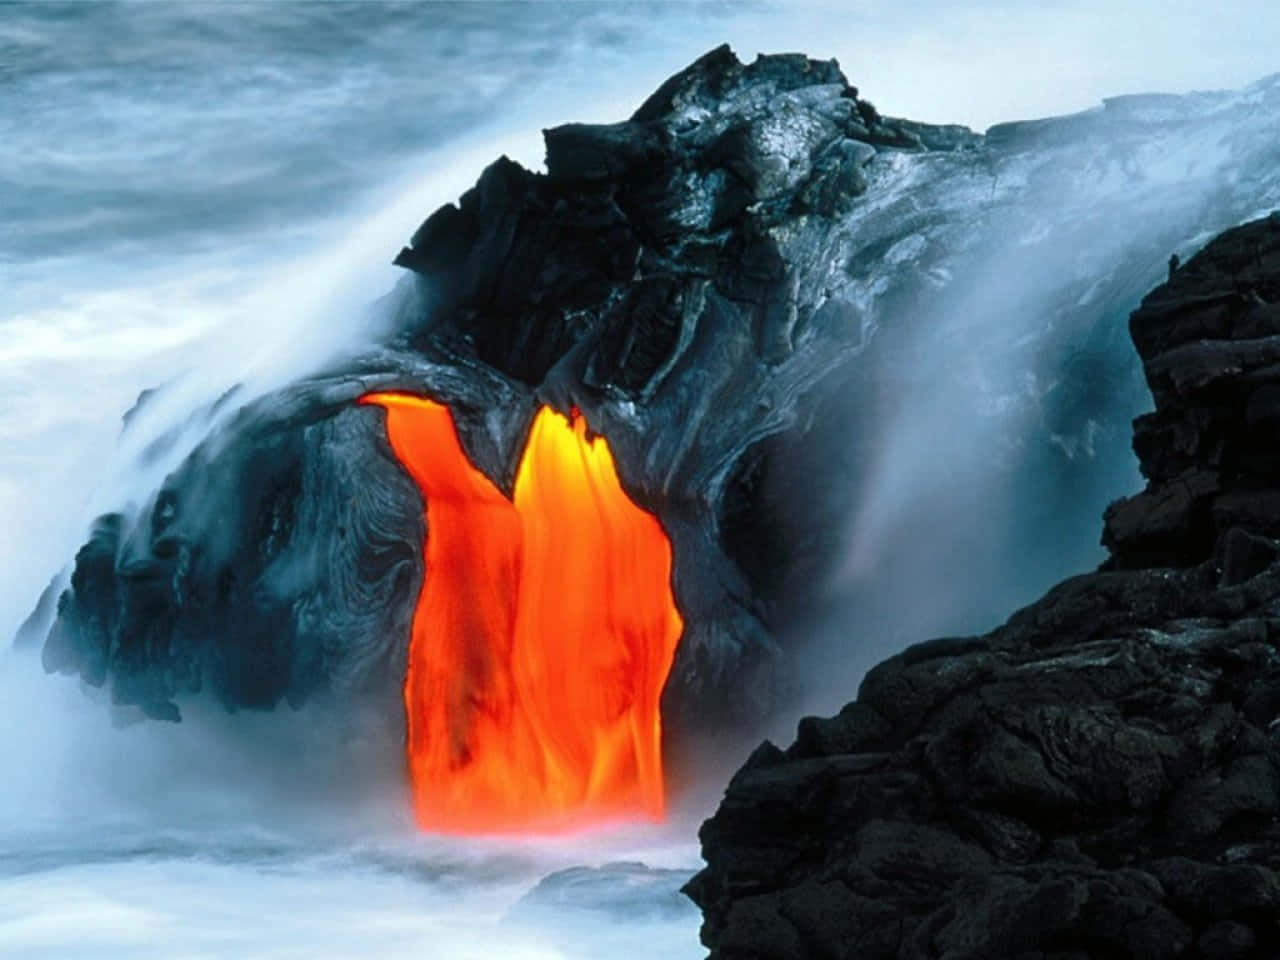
x,y
1100,777
676,277
709,189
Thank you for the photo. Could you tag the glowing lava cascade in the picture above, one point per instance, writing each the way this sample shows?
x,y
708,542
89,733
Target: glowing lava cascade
x,y
543,634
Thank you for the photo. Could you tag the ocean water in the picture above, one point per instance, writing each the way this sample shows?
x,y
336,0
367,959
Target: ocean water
x,y
198,193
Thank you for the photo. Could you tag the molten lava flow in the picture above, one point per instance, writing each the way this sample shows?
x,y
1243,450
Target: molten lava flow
x,y
542,637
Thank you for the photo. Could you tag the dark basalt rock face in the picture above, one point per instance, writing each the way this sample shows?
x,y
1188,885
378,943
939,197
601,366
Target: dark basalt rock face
x,y
1099,777
666,275
757,264
1210,344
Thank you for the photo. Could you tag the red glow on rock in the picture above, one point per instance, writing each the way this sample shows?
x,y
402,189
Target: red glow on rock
x,y
543,634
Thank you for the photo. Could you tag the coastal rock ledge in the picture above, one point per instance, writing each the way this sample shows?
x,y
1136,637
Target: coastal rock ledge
x,y
1099,777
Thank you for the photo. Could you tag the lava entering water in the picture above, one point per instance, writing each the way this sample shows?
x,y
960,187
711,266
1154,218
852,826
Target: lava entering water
x,y
543,635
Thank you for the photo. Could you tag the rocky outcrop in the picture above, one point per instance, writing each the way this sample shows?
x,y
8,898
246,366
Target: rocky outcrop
x,y
1210,345
751,286
1099,777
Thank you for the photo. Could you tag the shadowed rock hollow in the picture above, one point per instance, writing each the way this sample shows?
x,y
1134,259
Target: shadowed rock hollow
x,y
1100,777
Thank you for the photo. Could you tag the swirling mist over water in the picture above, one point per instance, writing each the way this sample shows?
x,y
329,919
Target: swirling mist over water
x,y
283,835
202,194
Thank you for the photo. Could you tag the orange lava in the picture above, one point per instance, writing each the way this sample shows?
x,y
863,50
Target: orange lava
x,y
543,634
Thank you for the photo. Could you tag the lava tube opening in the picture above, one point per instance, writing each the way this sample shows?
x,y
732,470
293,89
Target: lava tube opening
x,y
542,637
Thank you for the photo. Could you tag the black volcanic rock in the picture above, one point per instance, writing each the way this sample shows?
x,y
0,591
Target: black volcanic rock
x,y
743,286
1210,345
1097,778
665,276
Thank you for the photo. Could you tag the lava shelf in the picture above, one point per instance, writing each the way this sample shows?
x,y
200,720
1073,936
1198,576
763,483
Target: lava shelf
x,y
542,637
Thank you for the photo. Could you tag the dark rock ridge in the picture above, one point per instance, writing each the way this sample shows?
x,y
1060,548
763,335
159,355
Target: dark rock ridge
x,y
1099,777
739,286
